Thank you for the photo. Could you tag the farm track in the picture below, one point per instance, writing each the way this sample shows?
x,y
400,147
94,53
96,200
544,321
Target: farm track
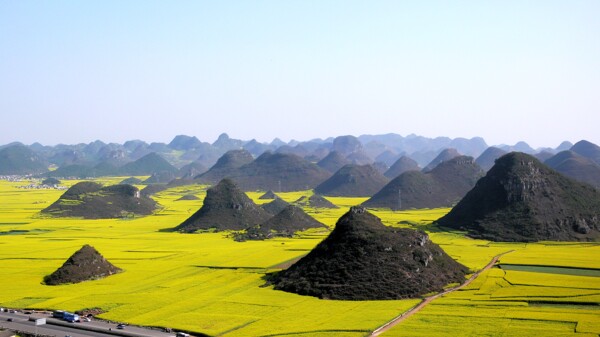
x,y
400,318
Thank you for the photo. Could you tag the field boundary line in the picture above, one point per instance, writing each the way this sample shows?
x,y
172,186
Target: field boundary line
x,y
398,319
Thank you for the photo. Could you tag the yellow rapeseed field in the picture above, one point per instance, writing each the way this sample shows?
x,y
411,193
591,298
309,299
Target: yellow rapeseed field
x,y
211,284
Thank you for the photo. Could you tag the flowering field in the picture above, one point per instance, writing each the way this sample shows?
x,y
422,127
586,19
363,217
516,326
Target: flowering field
x,y
208,283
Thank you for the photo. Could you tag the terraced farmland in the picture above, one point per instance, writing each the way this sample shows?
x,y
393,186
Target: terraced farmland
x,y
208,283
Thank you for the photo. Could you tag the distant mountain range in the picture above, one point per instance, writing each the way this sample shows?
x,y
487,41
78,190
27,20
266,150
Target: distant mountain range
x,y
99,158
256,165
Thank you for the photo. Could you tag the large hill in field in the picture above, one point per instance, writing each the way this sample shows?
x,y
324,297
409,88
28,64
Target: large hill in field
x,y
353,181
362,259
225,207
520,199
443,186
226,166
84,265
20,160
147,165
576,166
93,201
279,172
403,164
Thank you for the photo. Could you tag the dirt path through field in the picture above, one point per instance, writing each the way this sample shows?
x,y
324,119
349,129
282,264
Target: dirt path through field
x,y
427,300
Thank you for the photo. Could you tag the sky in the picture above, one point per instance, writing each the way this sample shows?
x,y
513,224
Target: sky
x,y
78,71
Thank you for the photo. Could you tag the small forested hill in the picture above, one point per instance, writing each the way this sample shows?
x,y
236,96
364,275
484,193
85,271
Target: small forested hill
x,y
315,201
333,162
443,186
93,201
288,221
226,166
268,195
20,160
131,181
225,207
403,164
588,150
192,170
520,199
147,165
353,181
576,167
488,157
84,265
275,206
445,155
280,172
362,259
161,177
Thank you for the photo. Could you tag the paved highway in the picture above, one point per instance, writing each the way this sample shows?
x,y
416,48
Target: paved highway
x,y
59,328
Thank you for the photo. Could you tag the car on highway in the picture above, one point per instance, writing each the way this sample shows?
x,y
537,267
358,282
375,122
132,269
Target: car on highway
x,y
9,319
121,326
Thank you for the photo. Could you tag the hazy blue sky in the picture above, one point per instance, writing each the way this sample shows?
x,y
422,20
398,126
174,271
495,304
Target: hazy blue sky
x,y
77,71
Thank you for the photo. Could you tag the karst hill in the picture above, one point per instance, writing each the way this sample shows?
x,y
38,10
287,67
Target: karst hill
x,y
93,201
353,181
443,186
84,265
362,259
225,207
521,199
